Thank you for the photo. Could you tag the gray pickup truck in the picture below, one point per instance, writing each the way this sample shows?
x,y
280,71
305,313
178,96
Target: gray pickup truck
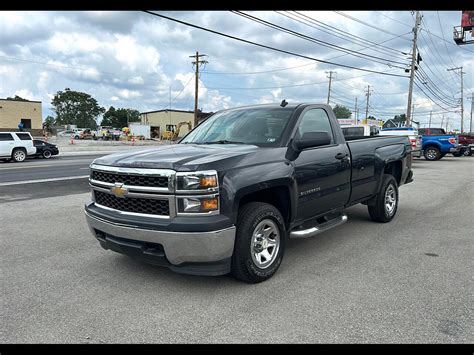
x,y
231,193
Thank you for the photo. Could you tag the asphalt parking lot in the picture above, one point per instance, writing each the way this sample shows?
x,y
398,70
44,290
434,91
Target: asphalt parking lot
x,y
408,281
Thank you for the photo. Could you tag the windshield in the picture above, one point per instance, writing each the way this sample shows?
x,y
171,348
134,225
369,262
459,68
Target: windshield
x,y
260,126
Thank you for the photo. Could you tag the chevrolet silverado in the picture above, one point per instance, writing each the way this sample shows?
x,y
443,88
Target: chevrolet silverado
x,y
228,197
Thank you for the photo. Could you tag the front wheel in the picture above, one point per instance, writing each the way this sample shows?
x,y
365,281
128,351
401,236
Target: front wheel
x,y
47,154
259,244
468,152
386,203
432,153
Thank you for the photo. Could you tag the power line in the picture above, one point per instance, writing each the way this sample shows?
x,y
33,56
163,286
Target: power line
x,y
369,25
318,41
269,47
321,26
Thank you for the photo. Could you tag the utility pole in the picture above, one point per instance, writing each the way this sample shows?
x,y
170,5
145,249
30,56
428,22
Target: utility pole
x,y
330,80
470,122
462,97
442,120
367,106
412,70
355,113
197,63
447,121
429,124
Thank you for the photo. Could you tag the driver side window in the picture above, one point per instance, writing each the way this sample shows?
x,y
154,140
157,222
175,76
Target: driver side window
x,y
315,120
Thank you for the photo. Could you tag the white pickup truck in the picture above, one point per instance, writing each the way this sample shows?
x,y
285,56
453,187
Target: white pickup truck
x,y
16,146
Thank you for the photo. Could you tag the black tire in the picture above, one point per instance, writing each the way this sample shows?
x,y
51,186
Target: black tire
x,y
19,155
380,212
250,217
458,154
432,153
76,137
47,154
468,152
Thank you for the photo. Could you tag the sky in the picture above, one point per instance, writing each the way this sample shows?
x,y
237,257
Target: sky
x,y
136,60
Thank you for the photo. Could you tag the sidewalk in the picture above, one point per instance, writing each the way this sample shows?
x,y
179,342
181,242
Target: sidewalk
x,y
91,147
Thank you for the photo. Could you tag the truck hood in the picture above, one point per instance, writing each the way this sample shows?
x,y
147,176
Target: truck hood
x,y
179,157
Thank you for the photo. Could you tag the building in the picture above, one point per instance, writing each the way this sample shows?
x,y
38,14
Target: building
x,y
12,112
167,120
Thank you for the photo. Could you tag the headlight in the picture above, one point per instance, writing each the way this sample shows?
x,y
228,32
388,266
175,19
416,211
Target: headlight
x,y
200,180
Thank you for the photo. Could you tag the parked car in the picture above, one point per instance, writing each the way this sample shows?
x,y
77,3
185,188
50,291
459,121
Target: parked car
x,y
75,133
359,130
436,143
466,141
411,133
16,146
230,193
45,149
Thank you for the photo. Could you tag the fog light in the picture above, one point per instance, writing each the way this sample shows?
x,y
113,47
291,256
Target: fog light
x,y
209,204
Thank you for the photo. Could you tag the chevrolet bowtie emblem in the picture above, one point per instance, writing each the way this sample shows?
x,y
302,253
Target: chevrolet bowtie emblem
x,y
118,190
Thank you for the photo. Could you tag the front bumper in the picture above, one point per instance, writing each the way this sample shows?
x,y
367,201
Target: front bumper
x,y
455,149
199,253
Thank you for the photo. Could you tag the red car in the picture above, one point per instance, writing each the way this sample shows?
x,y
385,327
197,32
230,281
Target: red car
x,y
466,141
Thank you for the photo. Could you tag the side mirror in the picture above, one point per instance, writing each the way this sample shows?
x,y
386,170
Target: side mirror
x,y
313,139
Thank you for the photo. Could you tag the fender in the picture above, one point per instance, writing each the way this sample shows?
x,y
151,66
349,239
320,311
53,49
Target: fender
x,y
238,183
387,155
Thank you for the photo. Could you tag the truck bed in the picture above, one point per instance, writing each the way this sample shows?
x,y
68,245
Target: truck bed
x,y
368,153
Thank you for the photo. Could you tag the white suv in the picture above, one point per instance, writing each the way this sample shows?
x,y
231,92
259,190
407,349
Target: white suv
x,y
16,145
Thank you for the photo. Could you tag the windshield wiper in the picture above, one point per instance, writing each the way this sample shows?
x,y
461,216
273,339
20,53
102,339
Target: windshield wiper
x,y
223,141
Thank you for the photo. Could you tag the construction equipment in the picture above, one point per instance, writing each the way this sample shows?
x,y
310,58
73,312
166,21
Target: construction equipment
x,y
172,131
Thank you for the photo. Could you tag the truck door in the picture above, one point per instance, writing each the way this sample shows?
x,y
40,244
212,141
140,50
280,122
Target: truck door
x,y
322,173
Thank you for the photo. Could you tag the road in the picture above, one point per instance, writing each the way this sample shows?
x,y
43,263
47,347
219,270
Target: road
x,y
59,176
407,281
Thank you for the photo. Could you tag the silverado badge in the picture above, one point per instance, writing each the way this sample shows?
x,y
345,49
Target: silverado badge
x,y
118,190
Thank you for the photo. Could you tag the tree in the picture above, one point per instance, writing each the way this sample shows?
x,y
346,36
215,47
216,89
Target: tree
x,y
49,122
16,98
120,117
342,112
77,108
400,118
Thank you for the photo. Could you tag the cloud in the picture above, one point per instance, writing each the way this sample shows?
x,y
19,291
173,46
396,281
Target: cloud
x,y
132,58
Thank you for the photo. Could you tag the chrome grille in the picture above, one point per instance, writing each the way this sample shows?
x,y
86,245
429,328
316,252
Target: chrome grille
x,y
133,204
130,180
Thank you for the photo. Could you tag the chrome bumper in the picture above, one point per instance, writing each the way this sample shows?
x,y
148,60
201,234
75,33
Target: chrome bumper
x,y
455,150
179,247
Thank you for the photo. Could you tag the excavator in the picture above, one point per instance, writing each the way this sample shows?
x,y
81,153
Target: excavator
x,y
173,134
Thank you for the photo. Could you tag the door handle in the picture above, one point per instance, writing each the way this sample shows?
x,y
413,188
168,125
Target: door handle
x,y
341,156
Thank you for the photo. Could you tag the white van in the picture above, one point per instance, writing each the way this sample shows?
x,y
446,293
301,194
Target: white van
x,y
410,132
16,145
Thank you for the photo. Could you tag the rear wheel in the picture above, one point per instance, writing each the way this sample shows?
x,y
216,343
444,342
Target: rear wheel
x,y
468,152
386,203
432,153
259,244
19,155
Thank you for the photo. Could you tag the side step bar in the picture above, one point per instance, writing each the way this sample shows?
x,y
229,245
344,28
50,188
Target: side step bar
x,y
310,232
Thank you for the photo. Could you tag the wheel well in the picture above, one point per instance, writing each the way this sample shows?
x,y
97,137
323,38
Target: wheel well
x,y
277,196
19,148
395,169
432,146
